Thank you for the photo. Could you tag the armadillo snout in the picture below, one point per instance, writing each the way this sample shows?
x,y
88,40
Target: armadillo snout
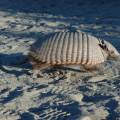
x,y
113,55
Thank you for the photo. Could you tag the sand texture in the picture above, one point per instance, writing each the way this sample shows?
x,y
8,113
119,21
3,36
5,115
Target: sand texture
x,y
68,94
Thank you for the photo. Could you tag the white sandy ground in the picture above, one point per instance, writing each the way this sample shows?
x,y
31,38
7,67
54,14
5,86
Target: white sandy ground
x,y
83,96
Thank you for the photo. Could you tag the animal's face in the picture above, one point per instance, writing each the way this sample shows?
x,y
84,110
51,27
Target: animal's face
x,y
109,49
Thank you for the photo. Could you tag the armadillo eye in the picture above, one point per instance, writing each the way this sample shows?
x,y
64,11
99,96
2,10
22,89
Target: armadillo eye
x,y
112,51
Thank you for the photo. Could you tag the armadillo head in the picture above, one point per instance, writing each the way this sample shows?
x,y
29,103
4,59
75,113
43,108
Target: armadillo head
x,y
111,51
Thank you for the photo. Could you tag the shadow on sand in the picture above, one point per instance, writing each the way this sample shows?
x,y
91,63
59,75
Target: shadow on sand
x,y
16,60
12,95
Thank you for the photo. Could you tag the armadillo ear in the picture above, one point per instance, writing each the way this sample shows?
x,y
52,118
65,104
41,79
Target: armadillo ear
x,y
102,41
103,45
100,45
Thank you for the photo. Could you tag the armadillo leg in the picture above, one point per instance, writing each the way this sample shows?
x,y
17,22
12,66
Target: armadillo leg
x,y
41,66
92,67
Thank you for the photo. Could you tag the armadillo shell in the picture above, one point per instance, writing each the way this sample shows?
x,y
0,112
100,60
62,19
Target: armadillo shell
x,y
68,48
